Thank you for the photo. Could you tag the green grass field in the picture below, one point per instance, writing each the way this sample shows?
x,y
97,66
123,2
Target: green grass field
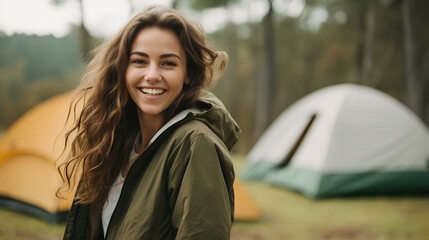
x,y
289,215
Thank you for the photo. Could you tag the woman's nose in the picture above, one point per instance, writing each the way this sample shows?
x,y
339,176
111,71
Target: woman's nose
x,y
152,73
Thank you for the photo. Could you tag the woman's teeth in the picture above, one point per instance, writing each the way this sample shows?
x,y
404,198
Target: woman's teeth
x,y
152,91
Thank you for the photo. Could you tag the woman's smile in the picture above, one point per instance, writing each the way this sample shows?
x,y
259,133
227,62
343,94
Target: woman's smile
x,y
152,91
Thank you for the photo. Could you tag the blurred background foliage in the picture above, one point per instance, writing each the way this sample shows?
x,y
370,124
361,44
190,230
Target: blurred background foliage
x,y
274,61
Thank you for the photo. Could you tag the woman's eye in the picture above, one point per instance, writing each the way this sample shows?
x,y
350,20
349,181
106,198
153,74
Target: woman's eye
x,y
138,61
169,64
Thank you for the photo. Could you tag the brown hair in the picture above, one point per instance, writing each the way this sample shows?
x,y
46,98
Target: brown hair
x,y
107,125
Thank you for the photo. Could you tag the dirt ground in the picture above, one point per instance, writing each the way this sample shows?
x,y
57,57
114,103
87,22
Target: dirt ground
x,y
289,215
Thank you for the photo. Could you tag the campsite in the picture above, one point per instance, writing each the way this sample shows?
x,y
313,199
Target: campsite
x,y
373,209
331,96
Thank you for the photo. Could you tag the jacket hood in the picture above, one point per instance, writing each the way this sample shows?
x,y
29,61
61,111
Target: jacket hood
x,y
211,111
217,118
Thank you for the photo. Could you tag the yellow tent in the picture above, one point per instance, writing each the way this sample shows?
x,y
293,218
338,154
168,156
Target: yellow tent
x,y
28,175
28,150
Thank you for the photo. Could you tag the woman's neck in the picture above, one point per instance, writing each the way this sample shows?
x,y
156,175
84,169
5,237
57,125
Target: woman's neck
x,y
149,125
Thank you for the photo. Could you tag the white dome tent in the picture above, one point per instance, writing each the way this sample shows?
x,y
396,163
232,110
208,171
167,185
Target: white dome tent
x,y
344,140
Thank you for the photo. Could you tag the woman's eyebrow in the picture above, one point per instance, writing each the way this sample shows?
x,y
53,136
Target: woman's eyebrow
x,y
140,54
166,55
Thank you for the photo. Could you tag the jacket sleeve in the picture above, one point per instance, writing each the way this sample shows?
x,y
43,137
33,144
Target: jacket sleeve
x,y
201,190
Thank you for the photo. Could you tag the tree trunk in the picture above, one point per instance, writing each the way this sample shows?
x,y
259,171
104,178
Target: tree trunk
x,y
366,42
413,94
132,8
265,89
425,88
175,4
85,37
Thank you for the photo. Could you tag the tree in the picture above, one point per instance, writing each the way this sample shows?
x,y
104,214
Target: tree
x,y
265,89
367,29
413,90
85,37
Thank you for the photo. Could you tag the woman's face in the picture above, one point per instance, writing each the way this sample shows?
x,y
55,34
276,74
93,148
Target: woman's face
x,y
156,70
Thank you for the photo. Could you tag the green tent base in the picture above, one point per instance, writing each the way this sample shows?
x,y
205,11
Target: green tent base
x,y
25,208
375,183
323,185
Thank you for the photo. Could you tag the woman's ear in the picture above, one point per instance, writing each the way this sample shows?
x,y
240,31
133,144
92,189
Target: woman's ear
x,y
187,81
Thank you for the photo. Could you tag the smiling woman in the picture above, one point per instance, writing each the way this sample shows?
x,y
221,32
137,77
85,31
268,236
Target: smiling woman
x,y
153,146
155,77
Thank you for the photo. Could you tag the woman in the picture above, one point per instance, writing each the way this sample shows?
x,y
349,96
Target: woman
x,y
153,146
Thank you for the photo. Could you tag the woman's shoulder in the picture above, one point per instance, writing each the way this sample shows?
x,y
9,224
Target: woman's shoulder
x,y
193,129
208,119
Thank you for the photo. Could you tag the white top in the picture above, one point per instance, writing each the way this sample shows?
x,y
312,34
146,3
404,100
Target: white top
x,y
113,197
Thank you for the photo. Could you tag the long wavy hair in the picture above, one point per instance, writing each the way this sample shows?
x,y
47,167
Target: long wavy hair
x,y
106,124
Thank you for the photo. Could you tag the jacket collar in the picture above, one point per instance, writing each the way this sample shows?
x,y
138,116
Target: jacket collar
x,y
211,111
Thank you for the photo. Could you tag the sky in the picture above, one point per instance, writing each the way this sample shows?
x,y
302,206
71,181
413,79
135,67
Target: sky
x,y
40,17
105,17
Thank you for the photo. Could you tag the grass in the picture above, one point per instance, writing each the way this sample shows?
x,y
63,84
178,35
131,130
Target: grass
x,y
289,215
16,226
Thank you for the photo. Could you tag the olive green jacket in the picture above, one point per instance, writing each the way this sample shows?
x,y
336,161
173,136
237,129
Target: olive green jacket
x,y
181,187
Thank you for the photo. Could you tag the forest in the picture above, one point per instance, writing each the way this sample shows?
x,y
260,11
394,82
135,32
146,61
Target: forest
x,y
274,61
